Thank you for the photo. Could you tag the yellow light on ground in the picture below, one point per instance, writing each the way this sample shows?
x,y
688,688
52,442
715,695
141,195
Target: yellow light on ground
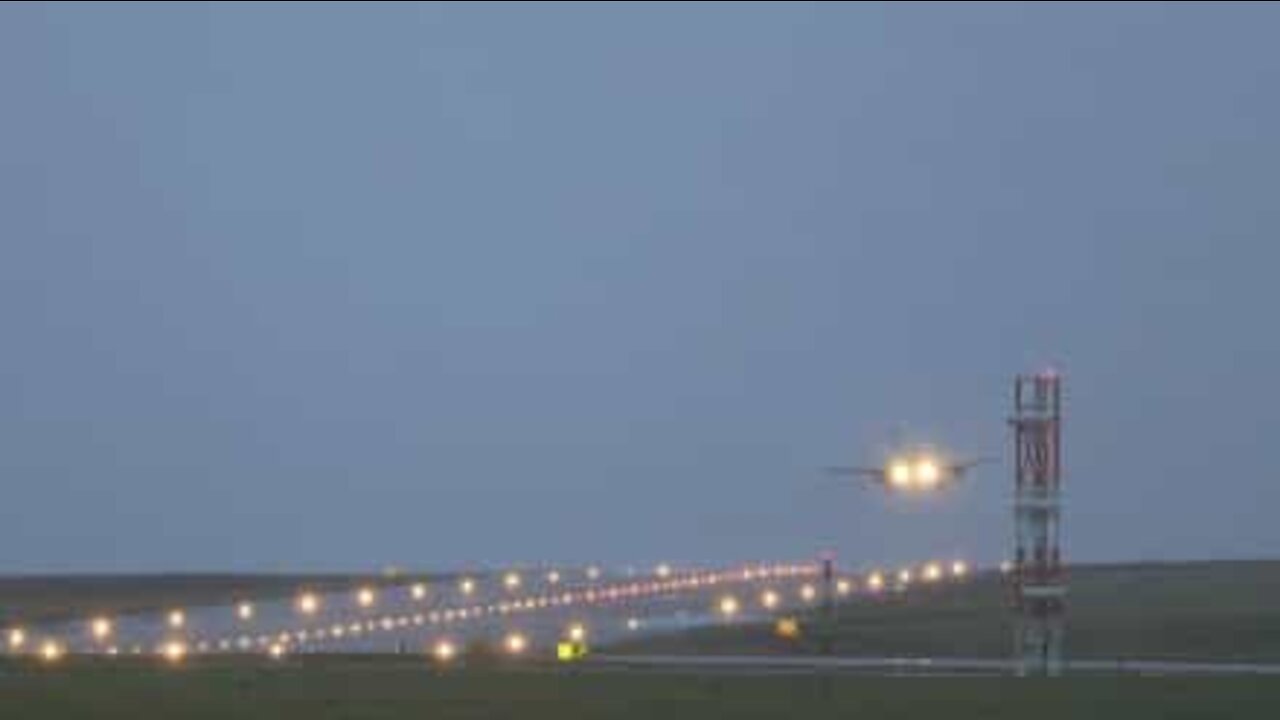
x,y
244,611
100,628
932,572
844,587
728,606
177,619
444,651
927,473
663,571
17,638
899,474
516,643
577,632
365,597
769,599
511,581
174,651
418,591
875,581
467,586
788,628
308,604
808,593
570,651
959,569
51,651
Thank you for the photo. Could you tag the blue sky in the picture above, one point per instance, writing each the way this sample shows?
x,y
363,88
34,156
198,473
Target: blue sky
x,y
340,286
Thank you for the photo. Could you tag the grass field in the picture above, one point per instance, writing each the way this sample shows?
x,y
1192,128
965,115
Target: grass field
x,y
28,600
1185,611
325,688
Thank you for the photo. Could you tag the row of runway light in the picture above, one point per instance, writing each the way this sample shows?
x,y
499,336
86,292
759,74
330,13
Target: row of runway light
x,y
307,604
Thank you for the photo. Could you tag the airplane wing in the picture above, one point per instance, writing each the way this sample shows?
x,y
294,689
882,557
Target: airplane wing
x,y
958,469
864,473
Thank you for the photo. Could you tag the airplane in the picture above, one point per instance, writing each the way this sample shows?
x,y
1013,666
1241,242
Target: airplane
x,y
913,469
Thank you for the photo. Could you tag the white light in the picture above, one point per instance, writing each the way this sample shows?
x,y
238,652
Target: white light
x,y
769,599
418,591
516,643
276,651
51,651
308,604
728,606
553,577
808,593
899,474
664,571
633,624
577,632
593,573
444,651
959,568
100,628
174,651
927,472
244,611
843,587
904,576
467,586
511,581
177,619
366,597
875,581
17,638
932,572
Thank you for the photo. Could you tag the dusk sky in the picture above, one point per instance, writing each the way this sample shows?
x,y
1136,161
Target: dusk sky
x,y
335,287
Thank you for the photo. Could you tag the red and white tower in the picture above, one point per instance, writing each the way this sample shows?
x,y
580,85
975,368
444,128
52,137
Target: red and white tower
x,y
1039,585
